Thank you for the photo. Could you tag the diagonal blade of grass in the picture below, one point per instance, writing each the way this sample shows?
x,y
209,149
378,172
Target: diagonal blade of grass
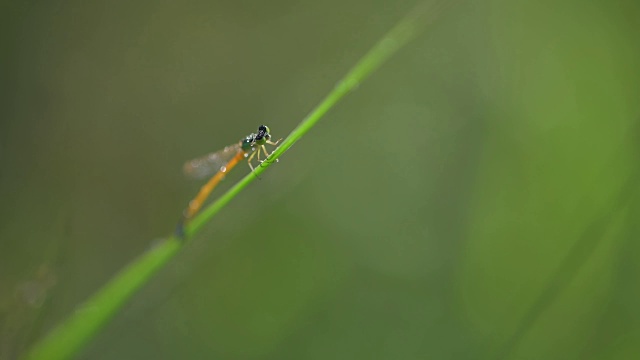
x,y
73,333
66,339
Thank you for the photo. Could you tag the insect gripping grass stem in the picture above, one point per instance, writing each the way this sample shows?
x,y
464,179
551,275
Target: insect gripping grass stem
x,y
220,163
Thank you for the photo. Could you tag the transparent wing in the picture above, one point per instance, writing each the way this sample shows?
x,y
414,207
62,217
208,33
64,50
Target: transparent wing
x,y
210,164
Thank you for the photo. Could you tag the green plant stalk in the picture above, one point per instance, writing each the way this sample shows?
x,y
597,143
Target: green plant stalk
x,y
74,332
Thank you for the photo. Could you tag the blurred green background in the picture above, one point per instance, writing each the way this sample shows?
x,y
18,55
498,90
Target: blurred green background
x,y
475,199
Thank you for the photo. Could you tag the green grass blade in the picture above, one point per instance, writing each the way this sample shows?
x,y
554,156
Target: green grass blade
x,y
65,340
72,334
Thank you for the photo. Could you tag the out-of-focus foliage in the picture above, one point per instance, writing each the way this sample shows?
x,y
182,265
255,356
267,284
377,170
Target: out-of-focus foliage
x,y
475,199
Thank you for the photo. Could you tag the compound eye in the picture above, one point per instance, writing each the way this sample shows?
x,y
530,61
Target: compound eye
x,y
263,128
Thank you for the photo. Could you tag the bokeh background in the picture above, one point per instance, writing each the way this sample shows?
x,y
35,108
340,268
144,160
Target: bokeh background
x,y
476,198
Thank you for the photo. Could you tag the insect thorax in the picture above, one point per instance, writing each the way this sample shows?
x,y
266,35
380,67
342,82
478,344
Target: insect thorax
x,y
248,143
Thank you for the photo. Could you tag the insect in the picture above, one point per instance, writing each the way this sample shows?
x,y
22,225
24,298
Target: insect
x,y
220,163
